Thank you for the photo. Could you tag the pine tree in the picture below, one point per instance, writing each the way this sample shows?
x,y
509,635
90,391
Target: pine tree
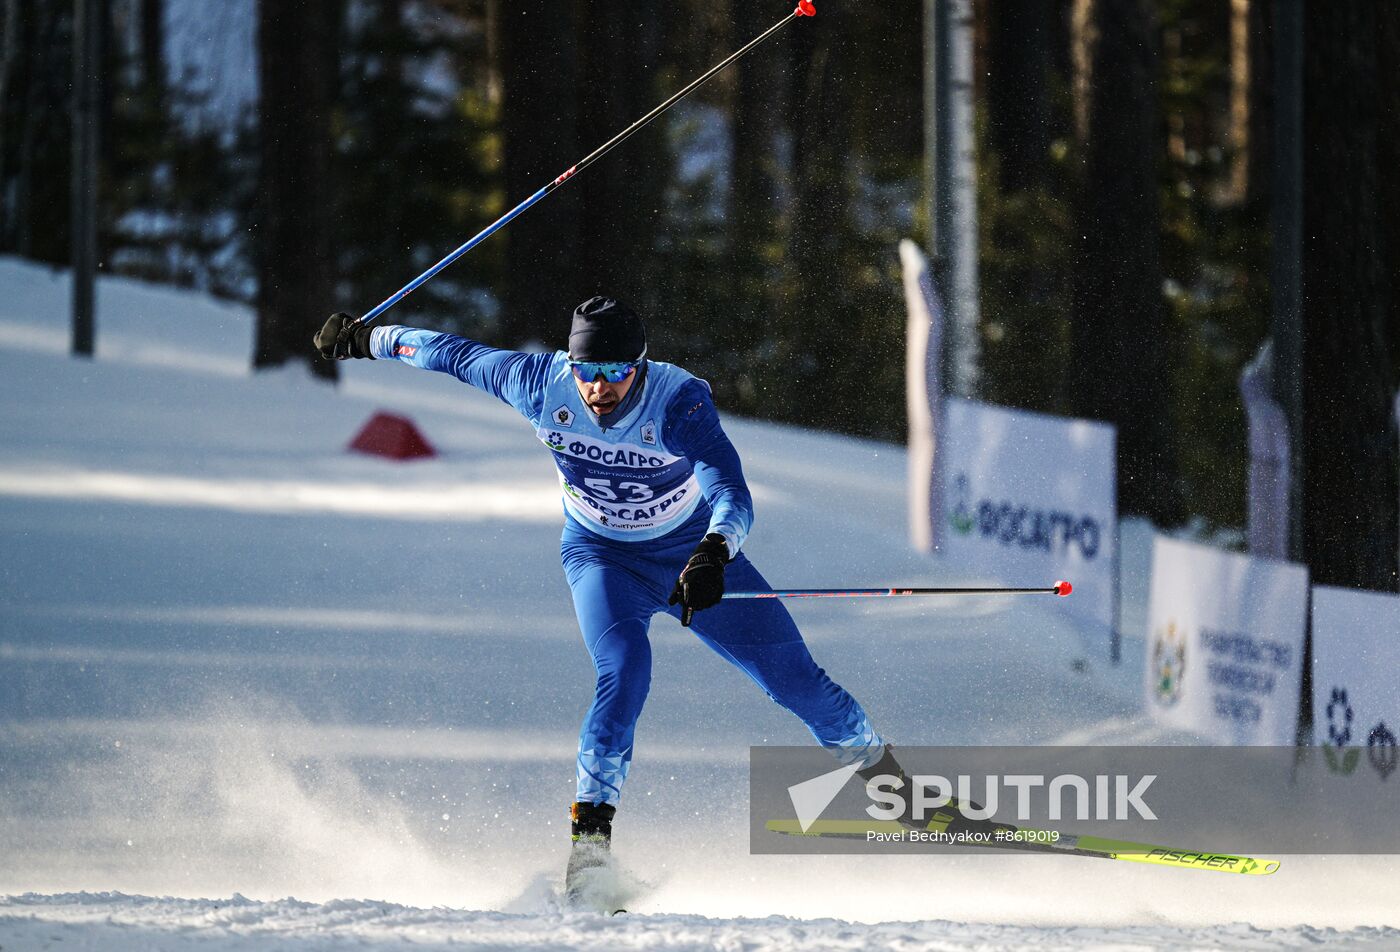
x,y
416,153
1350,462
1120,371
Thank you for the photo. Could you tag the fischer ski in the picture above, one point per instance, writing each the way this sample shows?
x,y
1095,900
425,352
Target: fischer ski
x,y
1005,837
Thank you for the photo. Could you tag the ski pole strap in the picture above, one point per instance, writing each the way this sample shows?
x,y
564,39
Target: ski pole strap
x,y
1059,588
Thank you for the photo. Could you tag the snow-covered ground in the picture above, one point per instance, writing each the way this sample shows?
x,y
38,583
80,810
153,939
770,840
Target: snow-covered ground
x,y
238,661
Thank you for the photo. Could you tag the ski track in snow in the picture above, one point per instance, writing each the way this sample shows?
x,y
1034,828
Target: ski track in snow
x,y
236,660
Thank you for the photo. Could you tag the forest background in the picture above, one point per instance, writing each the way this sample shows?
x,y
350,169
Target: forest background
x,y
1126,174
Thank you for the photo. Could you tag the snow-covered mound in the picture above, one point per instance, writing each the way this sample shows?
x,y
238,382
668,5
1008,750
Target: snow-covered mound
x,y
236,660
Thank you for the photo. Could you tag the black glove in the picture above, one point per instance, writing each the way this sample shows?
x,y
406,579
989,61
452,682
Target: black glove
x,y
342,338
702,580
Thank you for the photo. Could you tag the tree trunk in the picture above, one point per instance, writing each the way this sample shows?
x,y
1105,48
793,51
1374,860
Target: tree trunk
x,y
1261,106
622,196
31,43
1349,454
816,315
1061,37
37,223
1019,127
295,269
9,57
1388,63
539,117
1083,34
1023,258
1251,102
493,81
758,184
1119,316
152,50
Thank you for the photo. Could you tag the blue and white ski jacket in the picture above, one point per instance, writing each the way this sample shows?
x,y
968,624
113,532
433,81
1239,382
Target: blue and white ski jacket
x,y
635,478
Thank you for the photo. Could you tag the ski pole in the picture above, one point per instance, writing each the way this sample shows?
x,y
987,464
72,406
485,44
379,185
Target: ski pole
x,y
805,8
1060,588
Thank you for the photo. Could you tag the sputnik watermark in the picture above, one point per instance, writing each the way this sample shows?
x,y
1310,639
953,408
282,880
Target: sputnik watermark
x,y
1114,797
963,837
1102,797
1239,801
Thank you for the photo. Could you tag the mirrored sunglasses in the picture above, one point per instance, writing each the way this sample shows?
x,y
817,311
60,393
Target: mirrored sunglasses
x,y
588,371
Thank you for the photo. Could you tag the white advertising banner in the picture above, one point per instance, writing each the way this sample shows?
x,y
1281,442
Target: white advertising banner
x,y
1225,643
1356,661
1031,499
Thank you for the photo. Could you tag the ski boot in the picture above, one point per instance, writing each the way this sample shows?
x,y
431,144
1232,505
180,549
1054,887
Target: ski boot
x,y
591,851
887,766
947,819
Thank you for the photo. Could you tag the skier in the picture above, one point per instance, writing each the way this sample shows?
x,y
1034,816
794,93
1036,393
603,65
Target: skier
x,y
656,512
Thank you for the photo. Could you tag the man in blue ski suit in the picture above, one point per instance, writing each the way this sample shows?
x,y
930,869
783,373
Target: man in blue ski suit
x,y
656,514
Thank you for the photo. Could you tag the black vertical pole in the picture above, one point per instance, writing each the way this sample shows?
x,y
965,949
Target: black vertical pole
x,y
1287,292
87,26
933,123
938,164
1287,265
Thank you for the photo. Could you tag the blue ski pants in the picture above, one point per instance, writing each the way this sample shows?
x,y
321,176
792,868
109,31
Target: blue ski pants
x,y
618,586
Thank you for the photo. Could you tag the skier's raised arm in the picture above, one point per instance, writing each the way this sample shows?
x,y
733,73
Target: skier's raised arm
x,y
512,376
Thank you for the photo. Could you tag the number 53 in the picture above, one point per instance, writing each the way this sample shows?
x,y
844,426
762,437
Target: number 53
x,y
603,489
